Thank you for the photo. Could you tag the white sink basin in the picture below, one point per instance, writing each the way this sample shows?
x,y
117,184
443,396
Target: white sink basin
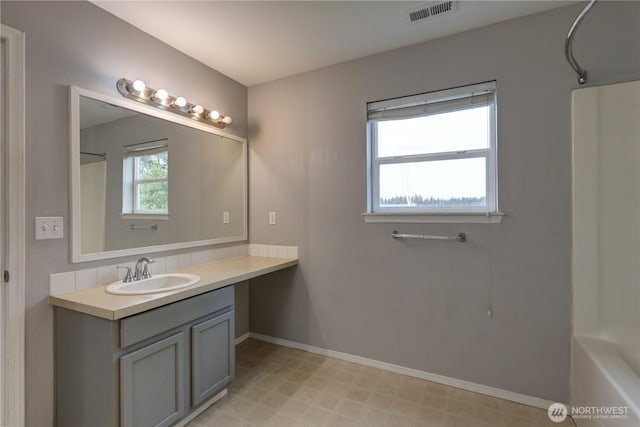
x,y
156,284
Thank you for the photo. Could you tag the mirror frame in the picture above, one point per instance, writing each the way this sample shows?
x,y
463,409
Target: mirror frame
x,y
74,214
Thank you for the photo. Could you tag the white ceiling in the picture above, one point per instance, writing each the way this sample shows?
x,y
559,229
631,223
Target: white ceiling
x,y
259,41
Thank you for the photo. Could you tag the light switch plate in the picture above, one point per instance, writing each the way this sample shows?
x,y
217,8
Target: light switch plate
x,y
225,217
272,218
49,227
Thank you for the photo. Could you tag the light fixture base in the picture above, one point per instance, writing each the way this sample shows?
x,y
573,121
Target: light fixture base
x,y
146,96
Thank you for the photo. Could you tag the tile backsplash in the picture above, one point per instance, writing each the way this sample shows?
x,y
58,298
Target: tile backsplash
x,y
71,281
273,251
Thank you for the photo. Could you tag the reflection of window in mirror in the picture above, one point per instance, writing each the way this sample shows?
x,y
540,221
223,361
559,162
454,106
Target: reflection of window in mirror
x,y
146,179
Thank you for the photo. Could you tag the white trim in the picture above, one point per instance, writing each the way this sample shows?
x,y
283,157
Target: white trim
x,y
243,337
13,349
451,218
152,249
153,217
74,182
490,153
441,379
151,111
434,157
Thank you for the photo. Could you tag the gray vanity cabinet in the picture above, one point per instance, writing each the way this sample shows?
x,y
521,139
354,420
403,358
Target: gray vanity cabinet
x,y
152,384
212,356
149,369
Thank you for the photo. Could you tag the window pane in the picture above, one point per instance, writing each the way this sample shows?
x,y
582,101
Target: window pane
x,y
153,166
453,131
455,183
153,196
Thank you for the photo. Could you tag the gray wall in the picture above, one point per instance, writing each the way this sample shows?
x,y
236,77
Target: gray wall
x,y
76,43
424,304
206,177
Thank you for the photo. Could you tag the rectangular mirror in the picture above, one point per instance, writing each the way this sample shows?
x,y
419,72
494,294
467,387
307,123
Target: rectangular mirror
x,y
145,180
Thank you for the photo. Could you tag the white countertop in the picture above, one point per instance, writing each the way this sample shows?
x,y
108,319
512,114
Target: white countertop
x,y
97,302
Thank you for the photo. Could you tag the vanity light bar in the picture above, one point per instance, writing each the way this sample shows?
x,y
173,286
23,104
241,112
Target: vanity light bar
x,y
160,98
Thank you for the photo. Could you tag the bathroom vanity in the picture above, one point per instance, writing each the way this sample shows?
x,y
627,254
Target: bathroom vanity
x,y
149,360
152,359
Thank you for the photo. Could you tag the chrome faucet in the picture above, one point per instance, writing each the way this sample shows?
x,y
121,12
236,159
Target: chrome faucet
x,y
142,268
128,277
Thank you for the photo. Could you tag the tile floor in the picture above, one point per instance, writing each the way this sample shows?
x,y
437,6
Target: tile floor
x,y
282,387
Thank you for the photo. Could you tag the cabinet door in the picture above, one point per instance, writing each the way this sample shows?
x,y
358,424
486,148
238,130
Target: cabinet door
x,y
153,384
212,356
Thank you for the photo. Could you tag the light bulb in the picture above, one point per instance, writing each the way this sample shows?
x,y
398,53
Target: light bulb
x,y
180,102
197,109
227,120
138,85
161,94
214,115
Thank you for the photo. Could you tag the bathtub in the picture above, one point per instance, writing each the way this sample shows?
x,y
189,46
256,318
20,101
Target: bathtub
x,y
605,358
600,377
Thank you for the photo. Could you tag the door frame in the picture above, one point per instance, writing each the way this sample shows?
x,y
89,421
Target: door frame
x,y
12,350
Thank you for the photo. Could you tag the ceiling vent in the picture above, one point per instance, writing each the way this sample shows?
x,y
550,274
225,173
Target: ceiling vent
x,y
432,9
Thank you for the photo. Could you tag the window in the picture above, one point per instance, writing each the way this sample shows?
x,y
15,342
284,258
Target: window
x,y
434,153
146,179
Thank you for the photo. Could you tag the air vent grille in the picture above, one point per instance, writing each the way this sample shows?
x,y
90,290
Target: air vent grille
x,y
432,9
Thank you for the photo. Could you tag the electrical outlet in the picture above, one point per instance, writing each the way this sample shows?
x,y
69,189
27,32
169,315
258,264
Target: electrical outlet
x,y
225,217
272,218
49,227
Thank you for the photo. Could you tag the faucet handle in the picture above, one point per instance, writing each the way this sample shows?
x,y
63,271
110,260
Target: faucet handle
x,y
128,277
146,274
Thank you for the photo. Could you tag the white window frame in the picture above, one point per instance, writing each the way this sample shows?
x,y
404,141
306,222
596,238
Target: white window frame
x,y
131,181
423,105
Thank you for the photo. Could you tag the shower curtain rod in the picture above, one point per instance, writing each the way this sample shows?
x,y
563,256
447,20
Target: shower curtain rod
x,y
103,155
568,44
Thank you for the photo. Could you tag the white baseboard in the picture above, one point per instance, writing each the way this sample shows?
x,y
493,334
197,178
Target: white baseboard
x,y
242,337
441,379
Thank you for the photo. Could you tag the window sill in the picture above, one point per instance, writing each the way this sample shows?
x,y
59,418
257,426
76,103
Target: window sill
x,y
154,217
434,218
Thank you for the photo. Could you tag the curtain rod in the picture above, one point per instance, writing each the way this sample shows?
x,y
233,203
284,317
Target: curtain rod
x,y
103,155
